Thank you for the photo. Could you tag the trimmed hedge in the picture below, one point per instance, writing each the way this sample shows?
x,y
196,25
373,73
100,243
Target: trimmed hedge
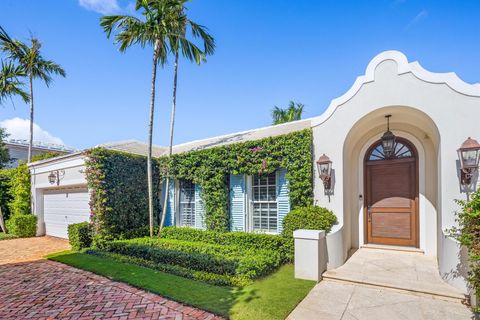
x,y
22,225
212,258
119,197
207,277
244,240
80,235
311,217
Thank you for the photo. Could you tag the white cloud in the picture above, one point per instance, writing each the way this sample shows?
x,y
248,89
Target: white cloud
x,y
101,6
419,17
20,129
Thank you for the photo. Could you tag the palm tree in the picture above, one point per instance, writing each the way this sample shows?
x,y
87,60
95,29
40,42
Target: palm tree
x,y
293,112
154,31
30,59
179,43
10,84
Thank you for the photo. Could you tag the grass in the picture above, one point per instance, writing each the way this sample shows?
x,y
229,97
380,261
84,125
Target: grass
x,y
5,236
272,297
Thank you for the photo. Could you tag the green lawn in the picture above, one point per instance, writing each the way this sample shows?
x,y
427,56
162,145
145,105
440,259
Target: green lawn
x,y
5,236
270,298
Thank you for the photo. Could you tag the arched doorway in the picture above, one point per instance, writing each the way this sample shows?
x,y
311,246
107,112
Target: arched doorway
x,y
391,195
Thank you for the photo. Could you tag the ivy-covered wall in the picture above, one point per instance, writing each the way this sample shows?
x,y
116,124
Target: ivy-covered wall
x,y
211,168
119,198
117,180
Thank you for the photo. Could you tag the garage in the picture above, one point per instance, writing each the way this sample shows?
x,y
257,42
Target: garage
x,y
62,207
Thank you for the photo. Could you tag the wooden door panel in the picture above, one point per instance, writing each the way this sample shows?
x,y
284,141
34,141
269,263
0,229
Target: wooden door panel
x,y
391,202
391,225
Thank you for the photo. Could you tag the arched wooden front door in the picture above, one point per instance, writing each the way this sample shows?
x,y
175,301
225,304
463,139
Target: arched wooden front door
x,y
391,195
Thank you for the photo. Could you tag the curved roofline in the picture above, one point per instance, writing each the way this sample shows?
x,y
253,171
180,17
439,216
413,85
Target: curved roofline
x,y
403,66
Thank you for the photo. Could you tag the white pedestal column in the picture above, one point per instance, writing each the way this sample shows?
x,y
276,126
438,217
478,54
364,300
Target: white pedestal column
x,y
310,254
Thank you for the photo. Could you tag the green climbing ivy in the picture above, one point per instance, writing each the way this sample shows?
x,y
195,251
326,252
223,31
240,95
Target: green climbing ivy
x,y
211,168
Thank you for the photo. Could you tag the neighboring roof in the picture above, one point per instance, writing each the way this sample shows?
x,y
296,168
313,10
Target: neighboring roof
x,y
38,145
133,146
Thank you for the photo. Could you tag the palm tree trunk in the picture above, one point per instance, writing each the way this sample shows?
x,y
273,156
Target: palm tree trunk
x,y
150,134
2,221
172,126
30,143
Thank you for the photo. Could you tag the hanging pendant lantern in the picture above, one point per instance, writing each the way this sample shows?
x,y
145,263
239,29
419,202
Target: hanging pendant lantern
x,y
388,140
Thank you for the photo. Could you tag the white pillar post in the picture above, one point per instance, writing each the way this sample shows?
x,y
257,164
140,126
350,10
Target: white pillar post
x,y
310,254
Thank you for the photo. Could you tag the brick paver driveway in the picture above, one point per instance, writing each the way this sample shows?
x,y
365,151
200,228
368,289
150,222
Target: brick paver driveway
x,y
50,290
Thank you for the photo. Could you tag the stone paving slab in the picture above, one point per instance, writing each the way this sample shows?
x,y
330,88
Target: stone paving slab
x,y
336,300
51,290
411,271
30,249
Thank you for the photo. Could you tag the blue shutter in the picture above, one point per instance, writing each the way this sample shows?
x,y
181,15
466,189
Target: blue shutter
x,y
283,199
170,215
199,208
237,202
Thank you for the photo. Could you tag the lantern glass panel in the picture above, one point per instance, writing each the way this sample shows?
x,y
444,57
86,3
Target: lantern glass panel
x,y
51,178
470,158
324,168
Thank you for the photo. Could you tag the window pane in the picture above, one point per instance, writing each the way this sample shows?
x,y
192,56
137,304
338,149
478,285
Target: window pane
x,y
264,215
187,204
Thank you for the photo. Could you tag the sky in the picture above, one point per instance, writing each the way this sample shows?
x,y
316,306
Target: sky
x,y
267,53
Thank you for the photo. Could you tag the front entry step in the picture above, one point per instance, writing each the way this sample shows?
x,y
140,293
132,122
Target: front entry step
x,y
394,248
400,270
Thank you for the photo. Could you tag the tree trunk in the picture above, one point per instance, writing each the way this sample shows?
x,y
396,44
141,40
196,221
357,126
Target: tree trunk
x,y
172,126
2,221
30,143
150,132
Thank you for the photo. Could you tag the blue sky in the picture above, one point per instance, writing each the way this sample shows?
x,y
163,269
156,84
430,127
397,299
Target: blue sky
x,y
268,52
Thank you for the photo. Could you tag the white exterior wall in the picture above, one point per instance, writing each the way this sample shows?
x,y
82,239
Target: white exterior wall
x,y
73,167
436,112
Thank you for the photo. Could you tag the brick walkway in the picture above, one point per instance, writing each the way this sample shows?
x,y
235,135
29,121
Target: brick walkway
x,y
51,290
29,249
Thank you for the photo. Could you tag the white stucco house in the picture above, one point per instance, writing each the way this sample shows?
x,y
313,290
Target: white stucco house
x,y
400,197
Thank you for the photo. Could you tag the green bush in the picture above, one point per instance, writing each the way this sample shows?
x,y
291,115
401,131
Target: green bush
x,y
244,240
311,217
213,258
80,235
468,234
22,225
119,197
207,277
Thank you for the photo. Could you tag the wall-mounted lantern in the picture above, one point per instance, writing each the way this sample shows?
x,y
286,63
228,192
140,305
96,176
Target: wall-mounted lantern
x,y
469,156
55,176
388,140
324,165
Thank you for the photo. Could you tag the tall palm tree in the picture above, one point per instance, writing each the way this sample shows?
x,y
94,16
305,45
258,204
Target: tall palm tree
x,y
179,43
293,112
10,83
30,59
153,30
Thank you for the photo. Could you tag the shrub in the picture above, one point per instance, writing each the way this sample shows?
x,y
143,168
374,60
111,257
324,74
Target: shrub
x,y
207,277
119,197
80,235
311,217
468,234
22,225
214,258
243,240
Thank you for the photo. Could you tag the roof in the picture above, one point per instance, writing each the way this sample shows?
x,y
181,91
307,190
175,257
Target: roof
x,y
243,136
38,145
134,146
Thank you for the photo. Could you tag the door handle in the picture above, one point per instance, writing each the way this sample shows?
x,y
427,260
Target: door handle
x,y
369,212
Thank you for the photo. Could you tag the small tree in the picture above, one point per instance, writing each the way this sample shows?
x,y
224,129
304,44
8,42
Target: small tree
x,y
293,112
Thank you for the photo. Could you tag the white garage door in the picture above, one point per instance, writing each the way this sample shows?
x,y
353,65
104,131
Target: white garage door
x,y
64,207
